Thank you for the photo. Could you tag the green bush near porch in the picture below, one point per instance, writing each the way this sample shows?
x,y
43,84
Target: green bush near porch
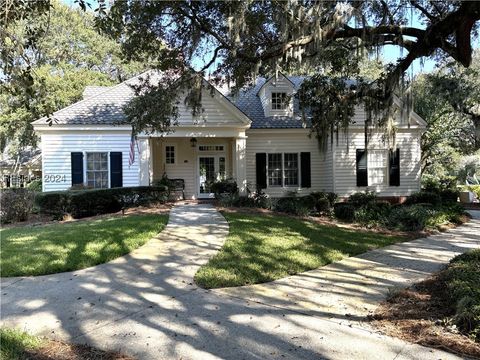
x,y
266,247
47,249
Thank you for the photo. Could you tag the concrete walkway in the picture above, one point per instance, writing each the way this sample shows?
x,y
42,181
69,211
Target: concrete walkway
x,y
147,305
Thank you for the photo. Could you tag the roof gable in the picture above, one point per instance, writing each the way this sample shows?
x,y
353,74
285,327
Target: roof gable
x,y
105,106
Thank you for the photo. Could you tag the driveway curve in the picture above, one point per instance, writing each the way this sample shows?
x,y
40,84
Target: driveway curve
x,y
146,304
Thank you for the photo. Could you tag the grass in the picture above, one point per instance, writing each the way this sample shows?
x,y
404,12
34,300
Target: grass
x,y
18,345
266,247
48,249
15,344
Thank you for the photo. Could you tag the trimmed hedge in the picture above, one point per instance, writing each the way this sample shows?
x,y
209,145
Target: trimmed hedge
x,y
83,203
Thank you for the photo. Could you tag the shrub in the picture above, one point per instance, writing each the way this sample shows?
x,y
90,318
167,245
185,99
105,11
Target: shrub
x,y
462,278
449,195
300,206
82,203
424,197
373,214
15,205
409,217
35,185
344,211
55,204
361,199
324,201
227,186
93,202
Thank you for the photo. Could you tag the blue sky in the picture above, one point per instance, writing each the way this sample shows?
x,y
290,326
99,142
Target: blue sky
x,y
389,53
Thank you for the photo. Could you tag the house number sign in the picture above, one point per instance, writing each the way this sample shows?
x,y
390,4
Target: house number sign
x,y
54,178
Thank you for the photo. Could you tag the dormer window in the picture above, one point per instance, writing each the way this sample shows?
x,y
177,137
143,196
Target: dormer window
x,y
279,101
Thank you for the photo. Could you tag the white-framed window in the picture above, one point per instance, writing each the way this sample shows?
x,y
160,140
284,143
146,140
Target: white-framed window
x,y
283,169
97,169
377,167
170,154
290,165
279,101
274,169
211,148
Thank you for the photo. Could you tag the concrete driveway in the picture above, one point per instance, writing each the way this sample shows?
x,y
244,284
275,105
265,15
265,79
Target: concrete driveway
x,y
146,304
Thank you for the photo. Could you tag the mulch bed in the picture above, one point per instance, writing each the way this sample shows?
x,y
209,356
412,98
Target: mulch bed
x,y
417,314
57,350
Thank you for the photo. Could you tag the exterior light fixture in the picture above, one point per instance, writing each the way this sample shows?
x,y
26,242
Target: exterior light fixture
x,y
193,142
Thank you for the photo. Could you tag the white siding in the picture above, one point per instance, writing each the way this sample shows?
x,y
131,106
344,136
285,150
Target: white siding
x,y
408,140
215,112
56,158
289,141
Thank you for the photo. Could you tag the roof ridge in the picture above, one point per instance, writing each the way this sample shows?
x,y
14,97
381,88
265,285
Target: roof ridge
x,y
108,89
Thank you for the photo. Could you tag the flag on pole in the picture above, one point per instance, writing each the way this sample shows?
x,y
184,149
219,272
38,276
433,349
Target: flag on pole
x,y
131,157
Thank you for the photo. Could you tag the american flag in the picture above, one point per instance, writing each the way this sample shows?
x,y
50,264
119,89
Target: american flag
x,y
131,157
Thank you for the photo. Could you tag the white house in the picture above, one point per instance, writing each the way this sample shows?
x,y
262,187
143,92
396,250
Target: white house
x,y
256,138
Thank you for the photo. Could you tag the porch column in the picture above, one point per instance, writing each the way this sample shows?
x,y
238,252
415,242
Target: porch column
x,y
143,162
241,164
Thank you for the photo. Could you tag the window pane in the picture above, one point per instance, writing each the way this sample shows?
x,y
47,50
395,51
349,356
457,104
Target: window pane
x,y
291,169
275,169
221,166
279,100
170,154
377,167
97,169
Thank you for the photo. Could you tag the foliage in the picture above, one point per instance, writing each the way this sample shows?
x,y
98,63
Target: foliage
x,y
462,277
468,169
424,197
447,99
324,201
266,247
82,203
227,186
409,218
421,216
35,185
59,52
15,205
300,206
54,248
372,214
362,198
15,343
344,211
239,40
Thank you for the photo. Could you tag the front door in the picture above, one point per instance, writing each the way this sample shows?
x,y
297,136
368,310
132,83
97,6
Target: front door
x,y
211,168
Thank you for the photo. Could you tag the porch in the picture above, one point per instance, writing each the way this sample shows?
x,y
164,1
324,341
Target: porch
x,y
197,158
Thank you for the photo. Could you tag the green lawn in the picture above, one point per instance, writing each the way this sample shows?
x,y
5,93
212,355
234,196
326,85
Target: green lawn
x,y
55,248
15,343
262,248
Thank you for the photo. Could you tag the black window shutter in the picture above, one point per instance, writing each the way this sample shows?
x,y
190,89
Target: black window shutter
x,y
77,167
394,167
362,171
305,170
261,168
116,174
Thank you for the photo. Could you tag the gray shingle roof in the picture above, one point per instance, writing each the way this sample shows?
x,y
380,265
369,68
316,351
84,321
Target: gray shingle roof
x,y
104,106
249,102
93,90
